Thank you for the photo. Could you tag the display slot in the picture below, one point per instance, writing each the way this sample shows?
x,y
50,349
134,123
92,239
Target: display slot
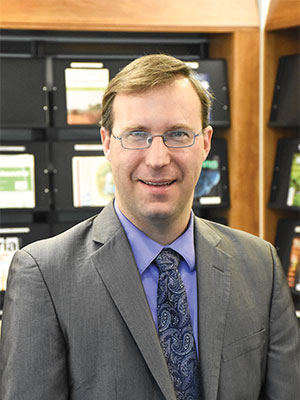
x,y
285,189
288,247
285,111
82,176
212,187
24,93
24,176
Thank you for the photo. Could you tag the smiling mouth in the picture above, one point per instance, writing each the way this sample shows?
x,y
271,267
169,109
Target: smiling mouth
x,y
168,183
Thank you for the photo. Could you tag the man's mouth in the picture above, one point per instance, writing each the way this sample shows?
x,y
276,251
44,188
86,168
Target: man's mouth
x,y
151,183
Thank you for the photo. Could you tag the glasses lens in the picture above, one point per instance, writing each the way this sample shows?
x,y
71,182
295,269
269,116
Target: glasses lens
x,y
143,139
136,139
179,138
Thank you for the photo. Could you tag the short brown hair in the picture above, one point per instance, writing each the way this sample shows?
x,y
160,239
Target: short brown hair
x,y
145,73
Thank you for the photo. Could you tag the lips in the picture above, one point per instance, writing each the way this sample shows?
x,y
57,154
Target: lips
x,y
152,183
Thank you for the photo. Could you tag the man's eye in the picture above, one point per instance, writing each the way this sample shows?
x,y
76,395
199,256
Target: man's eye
x,y
137,134
178,134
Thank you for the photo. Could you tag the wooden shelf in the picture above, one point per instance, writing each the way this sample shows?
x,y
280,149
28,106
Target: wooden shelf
x,y
283,14
282,38
241,50
130,15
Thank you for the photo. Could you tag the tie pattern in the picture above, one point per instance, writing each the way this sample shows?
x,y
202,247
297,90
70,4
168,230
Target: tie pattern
x,y
174,327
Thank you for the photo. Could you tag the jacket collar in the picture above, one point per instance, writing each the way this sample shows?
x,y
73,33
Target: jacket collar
x,y
214,281
115,264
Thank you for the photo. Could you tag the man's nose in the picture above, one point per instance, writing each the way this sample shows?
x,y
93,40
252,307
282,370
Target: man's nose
x,y
158,154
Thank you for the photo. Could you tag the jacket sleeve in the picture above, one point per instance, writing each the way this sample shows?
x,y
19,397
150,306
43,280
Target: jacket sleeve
x,y
282,378
33,351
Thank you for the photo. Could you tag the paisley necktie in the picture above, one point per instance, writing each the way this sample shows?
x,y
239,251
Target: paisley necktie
x,y
174,327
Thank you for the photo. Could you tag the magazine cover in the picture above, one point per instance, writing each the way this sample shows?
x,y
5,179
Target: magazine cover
x,y
84,92
293,198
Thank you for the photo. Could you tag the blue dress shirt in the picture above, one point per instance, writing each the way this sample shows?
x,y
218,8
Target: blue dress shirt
x,y
145,250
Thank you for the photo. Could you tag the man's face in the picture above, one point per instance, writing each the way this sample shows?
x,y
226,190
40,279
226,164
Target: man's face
x,y
157,184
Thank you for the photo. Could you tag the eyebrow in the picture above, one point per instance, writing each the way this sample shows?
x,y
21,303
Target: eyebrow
x,y
135,128
144,128
180,126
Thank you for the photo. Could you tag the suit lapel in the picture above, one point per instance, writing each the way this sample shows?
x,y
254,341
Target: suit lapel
x,y
116,265
213,274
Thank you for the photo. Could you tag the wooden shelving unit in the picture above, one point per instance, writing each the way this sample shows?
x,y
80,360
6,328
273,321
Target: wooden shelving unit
x,y
282,38
241,50
130,15
233,30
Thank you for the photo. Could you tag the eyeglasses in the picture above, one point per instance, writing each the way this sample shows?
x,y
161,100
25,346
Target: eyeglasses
x,y
138,140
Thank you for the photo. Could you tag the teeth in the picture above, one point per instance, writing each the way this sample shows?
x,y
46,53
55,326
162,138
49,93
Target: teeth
x,y
157,184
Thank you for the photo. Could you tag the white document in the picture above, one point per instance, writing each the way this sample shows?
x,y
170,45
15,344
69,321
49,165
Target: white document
x,y
17,181
93,184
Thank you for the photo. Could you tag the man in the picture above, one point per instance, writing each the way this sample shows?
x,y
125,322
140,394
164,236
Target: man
x,y
101,311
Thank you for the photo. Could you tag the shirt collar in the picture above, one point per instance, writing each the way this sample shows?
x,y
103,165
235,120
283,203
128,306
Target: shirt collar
x,y
145,249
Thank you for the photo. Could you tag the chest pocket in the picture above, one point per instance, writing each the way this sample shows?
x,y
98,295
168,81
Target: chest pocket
x,y
244,345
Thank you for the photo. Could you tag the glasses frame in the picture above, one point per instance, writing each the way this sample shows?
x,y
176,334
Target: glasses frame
x,y
151,140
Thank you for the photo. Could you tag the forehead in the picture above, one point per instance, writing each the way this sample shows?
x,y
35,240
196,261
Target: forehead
x,y
176,101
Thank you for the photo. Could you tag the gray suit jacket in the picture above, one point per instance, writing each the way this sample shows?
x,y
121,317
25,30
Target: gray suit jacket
x,y
77,324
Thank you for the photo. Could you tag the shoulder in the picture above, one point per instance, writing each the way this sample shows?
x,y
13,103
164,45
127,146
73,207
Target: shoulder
x,y
63,252
75,245
233,241
68,239
252,261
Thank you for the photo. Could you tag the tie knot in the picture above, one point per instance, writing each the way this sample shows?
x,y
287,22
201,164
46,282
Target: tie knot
x,y
167,259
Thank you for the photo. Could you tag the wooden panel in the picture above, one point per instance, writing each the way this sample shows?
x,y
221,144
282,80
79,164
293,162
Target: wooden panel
x,y
129,15
277,44
241,49
283,14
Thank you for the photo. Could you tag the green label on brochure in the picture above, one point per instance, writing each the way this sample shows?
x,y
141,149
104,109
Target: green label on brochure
x,y
15,179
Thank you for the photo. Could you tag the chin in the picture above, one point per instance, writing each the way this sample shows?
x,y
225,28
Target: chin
x,y
155,213
160,213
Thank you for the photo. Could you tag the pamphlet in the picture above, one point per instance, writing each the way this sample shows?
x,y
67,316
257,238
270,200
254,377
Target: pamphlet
x,y
17,183
84,91
208,188
293,275
93,184
8,247
293,198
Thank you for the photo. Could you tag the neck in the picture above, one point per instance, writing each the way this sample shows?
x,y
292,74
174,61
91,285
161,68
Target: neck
x,y
165,233
164,237
162,230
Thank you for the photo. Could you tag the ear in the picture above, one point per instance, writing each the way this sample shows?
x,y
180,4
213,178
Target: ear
x,y
207,135
105,138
